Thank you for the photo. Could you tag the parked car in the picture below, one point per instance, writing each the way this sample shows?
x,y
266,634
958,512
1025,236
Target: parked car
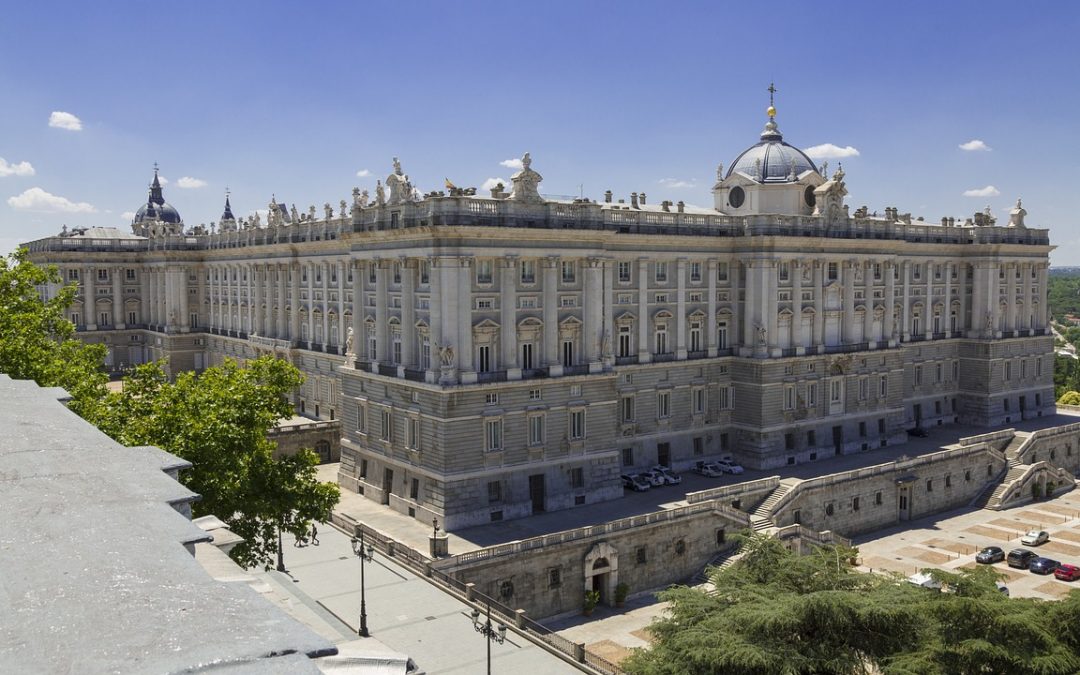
x,y
1002,588
989,555
654,477
918,432
1020,557
635,482
709,469
1067,572
669,476
728,466
1042,565
1035,538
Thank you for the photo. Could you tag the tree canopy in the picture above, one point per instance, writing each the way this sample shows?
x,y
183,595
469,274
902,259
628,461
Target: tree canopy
x,y
37,340
218,420
776,612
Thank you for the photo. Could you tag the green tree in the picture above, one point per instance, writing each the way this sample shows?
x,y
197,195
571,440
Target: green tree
x,y
219,421
36,340
775,612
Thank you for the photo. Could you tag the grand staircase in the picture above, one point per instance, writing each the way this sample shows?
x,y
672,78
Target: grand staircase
x,y
990,497
761,517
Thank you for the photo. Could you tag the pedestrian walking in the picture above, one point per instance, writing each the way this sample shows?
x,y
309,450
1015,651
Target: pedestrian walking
x,y
314,535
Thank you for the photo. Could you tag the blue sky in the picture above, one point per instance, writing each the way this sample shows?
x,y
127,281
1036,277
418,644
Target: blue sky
x,y
294,100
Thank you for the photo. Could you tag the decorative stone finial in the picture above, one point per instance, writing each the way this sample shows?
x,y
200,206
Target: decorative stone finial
x,y
1016,216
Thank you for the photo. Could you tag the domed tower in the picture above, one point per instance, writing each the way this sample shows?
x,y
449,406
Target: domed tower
x,y
228,220
156,217
770,176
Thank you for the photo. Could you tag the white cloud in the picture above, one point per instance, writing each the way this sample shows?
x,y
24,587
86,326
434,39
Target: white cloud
x,y
187,182
988,191
163,180
830,151
363,173
127,216
490,183
676,183
20,169
65,120
974,145
36,199
512,164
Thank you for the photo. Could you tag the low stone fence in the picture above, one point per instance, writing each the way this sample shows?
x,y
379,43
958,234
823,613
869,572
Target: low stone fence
x,y
730,493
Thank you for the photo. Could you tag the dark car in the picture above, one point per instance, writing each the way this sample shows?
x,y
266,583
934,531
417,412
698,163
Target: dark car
x,y
1042,565
1020,558
990,554
918,432
1067,572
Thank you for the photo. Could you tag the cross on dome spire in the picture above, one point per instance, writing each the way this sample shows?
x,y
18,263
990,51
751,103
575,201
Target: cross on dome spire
x,y
771,112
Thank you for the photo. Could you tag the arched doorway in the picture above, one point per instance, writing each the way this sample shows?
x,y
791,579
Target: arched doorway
x,y
602,571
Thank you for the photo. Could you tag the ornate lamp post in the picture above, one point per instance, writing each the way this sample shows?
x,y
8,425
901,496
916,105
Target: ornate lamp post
x,y
280,558
365,553
485,629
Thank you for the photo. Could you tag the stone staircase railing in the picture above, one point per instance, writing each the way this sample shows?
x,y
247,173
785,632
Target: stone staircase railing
x,y
1015,489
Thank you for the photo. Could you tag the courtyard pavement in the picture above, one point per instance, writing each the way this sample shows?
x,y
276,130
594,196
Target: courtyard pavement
x,y
406,613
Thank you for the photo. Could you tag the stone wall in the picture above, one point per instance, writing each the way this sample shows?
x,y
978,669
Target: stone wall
x,y
323,437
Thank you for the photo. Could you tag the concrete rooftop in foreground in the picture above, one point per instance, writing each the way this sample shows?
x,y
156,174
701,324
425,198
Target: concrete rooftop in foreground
x,y
95,573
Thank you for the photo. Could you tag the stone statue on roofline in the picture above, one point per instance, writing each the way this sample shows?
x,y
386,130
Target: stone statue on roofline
x,y
1016,216
526,183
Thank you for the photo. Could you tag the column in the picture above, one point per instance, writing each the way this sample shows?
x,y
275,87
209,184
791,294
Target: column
x,y
608,327
710,320
326,304
90,298
551,316
769,282
268,291
256,300
750,309
1044,313
644,320
947,311
508,318
680,309
294,302
819,305
796,305
868,304
995,298
1010,296
281,330
847,323
358,308
145,281
118,297
961,283
465,325
1026,323
979,293
408,313
928,319
382,318
889,319
736,285
342,272
593,312
905,322
183,296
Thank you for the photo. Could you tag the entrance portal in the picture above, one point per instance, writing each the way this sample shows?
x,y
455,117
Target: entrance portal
x,y
602,571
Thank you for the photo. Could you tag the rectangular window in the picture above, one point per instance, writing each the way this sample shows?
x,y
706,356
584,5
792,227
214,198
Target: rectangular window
x,y
627,409
131,318
387,426
625,268
661,272
836,391
577,424
414,489
104,319
727,398
698,395
1038,367
1008,370
695,271
783,271
628,457
789,397
663,404
536,430
864,388
73,275
917,379
577,478
494,489
535,395
485,303
414,433
425,272
103,275
833,271
129,274
939,372
569,272
483,359
699,446
483,271
811,394
722,271
361,418
528,271
493,435
883,386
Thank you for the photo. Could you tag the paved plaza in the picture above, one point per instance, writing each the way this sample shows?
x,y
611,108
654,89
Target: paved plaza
x,y
406,613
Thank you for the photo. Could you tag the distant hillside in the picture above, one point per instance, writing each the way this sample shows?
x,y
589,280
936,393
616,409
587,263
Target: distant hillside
x,y
1064,292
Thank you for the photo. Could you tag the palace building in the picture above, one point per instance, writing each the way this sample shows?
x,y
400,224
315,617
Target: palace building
x,y
494,356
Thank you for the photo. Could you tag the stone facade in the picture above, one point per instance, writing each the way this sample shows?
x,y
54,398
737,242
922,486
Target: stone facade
x,y
495,356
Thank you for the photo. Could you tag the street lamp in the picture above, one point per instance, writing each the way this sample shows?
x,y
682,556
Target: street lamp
x,y
280,559
485,629
365,554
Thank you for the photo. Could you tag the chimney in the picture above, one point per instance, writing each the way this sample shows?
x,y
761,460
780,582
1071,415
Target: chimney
x,y
641,197
633,200
944,221
681,206
607,196
665,205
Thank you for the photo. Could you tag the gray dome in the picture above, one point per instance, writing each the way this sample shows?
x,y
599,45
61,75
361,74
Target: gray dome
x,y
155,207
163,212
776,158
